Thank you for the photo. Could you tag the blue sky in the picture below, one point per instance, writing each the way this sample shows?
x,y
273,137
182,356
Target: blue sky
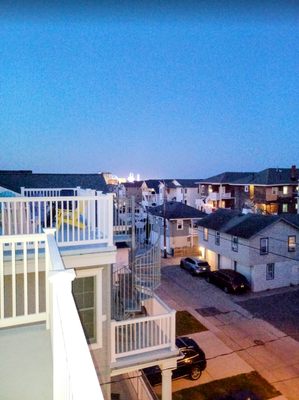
x,y
182,92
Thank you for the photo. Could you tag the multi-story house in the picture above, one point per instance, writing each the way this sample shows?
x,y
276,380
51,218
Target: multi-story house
x,y
264,248
74,314
219,191
178,223
180,190
271,191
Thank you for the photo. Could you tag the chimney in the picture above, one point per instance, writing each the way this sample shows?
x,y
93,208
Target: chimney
x,y
293,173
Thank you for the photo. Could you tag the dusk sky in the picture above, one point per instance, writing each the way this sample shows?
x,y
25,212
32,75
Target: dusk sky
x,y
182,92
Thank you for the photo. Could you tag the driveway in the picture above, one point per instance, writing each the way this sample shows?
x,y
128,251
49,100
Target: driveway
x,y
273,353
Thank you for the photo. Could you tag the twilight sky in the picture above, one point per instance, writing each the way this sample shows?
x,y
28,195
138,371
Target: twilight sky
x,y
166,91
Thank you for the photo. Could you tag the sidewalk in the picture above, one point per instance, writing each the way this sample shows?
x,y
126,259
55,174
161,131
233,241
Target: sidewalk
x,y
259,345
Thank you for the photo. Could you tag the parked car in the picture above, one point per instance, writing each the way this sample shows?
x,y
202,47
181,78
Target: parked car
x,y
194,265
191,364
229,280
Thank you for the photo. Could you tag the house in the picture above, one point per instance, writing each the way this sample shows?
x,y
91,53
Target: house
x,y
270,191
180,221
191,191
76,312
264,248
133,189
180,190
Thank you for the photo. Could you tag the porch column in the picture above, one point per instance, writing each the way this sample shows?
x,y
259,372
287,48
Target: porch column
x,y
166,383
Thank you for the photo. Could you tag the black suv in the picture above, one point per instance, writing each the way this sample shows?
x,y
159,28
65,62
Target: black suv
x,y
194,265
229,280
192,364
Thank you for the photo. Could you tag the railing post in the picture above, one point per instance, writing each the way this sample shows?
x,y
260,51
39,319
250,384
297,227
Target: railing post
x,y
113,344
172,330
110,219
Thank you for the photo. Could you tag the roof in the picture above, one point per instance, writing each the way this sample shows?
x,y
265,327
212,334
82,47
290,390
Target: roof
x,y
153,184
15,180
136,184
176,210
275,176
268,176
241,225
188,183
228,177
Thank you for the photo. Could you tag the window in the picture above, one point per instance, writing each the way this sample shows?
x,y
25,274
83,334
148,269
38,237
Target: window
x,y
179,225
217,238
206,234
275,190
84,296
246,188
292,243
264,246
235,265
234,243
186,191
285,207
270,271
210,190
285,190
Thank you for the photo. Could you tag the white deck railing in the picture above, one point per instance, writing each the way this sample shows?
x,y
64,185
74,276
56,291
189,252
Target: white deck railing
x,y
74,375
23,272
145,334
77,219
49,192
34,286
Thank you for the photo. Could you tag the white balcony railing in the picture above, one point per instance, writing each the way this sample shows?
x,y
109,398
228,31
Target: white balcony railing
x,y
74,374
34,286
216,196
145,334
48,192
77,219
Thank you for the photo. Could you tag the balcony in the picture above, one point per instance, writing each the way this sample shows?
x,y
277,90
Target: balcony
x,y
50,359
215,196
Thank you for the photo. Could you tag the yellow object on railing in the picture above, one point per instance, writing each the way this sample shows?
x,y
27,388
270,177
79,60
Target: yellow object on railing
x,y
74,218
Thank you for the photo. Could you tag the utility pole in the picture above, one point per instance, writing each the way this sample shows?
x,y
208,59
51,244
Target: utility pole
x,y
164,219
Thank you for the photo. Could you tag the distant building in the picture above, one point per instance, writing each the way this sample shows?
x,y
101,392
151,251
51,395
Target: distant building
x,y
271,191
180,220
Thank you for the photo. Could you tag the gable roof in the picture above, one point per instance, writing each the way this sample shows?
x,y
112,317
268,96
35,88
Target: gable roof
x,y
176,210
228,177
153,184
268,176
244,225
275,176
189,183
14,181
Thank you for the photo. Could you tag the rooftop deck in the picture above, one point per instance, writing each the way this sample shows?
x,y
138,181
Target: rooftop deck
x,y
26,363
